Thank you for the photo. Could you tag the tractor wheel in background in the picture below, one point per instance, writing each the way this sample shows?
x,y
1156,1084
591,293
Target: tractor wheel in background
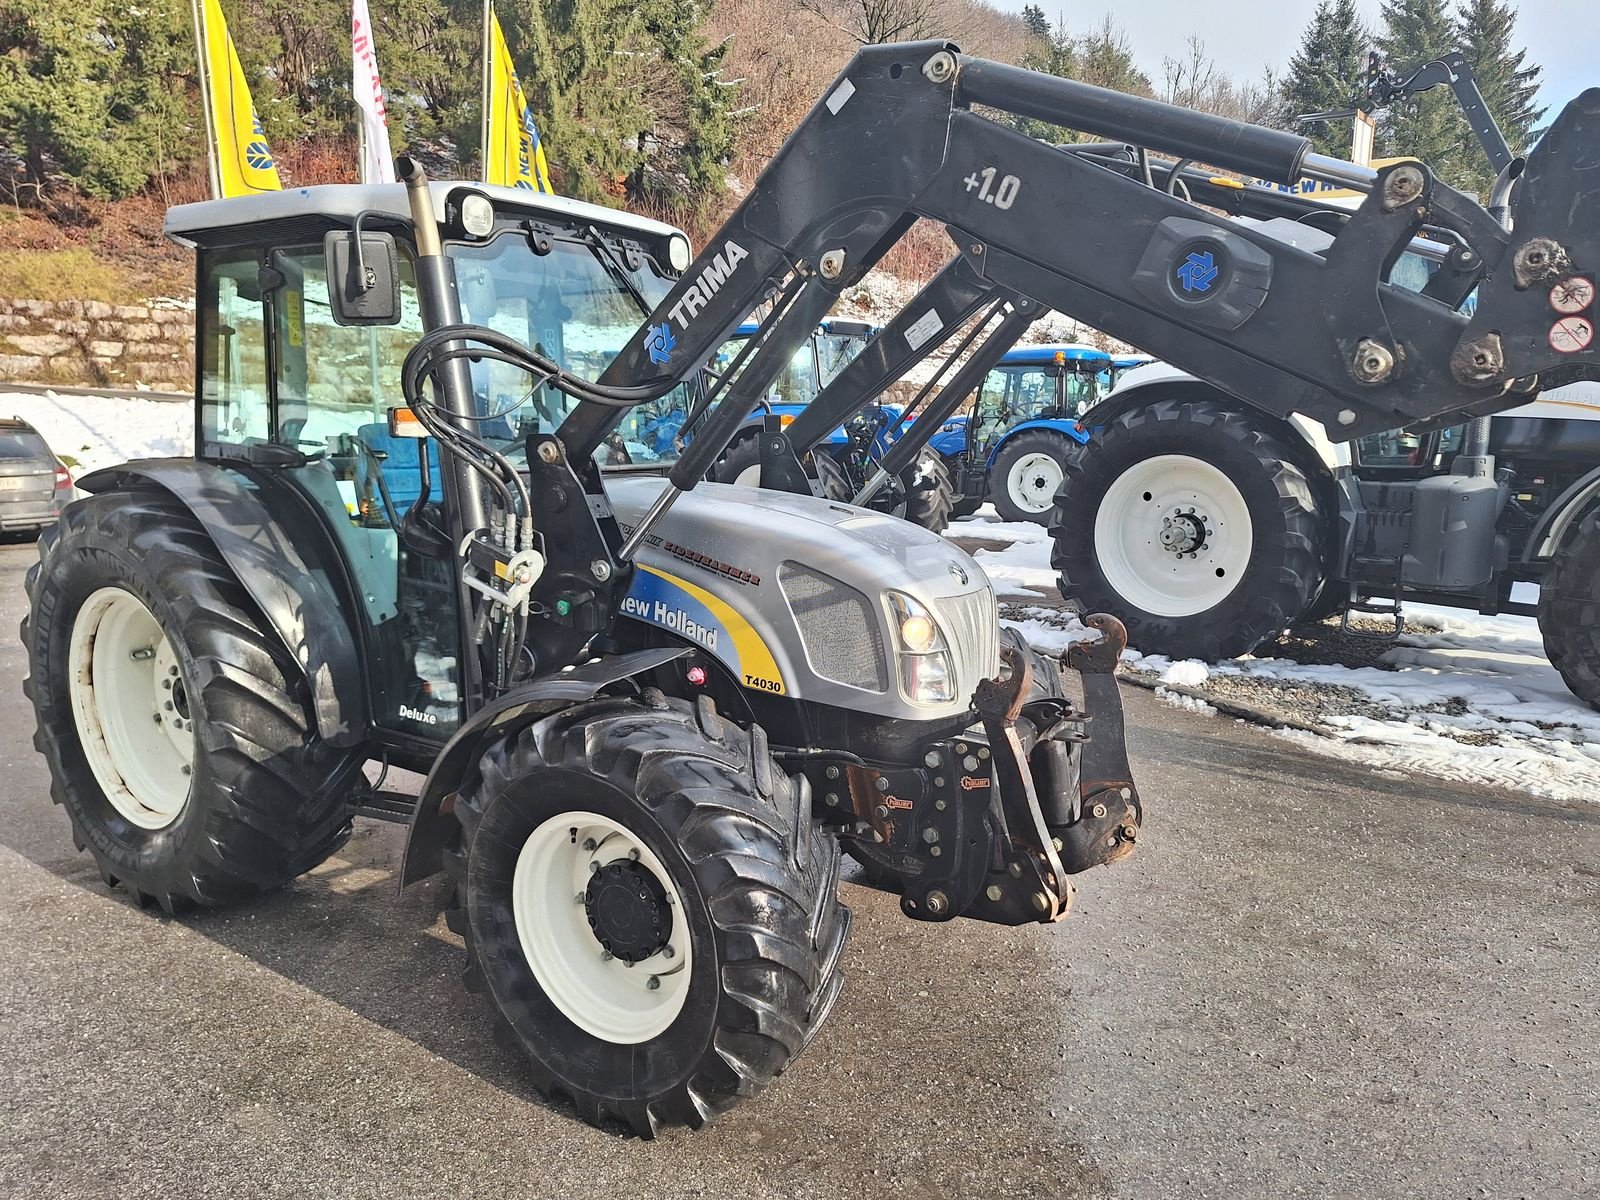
x,y
964,506
1027,474
1569,611
1192,526
645,896
740,462
929,494
177,730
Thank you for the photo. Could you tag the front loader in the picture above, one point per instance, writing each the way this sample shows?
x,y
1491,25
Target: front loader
x,y
422,528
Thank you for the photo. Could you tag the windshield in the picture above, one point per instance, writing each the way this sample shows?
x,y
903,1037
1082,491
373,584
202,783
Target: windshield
x,y
796,384
836,351
569,305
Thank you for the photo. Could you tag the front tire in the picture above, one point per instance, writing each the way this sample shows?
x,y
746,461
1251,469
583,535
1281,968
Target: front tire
x,y
708,875
177,730
1027,474
1195,528
1569,612
740,463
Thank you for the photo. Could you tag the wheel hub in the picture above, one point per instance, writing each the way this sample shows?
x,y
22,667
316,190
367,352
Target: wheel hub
x,y
628,911
1184,532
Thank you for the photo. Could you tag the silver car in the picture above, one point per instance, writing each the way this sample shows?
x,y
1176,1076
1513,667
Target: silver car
x,y
34,483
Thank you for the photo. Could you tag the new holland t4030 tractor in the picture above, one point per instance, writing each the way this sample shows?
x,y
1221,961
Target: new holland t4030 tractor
x,y
423,527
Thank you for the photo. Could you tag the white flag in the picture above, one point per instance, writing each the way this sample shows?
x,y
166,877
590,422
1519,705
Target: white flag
x,y
377,160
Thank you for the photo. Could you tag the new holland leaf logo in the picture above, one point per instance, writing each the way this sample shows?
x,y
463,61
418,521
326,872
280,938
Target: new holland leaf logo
x,y
1198,272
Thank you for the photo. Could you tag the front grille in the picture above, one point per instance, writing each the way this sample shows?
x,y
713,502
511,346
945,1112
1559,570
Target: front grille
x,y
971,625
838,626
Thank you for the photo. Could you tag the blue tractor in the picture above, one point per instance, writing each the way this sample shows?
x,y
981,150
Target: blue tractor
x,y
922,494
1013,444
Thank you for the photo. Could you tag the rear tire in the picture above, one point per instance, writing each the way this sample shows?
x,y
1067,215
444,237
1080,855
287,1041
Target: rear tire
x,y
740,463
1203,476
1569,612
930,496
190,767
737,891
1027,474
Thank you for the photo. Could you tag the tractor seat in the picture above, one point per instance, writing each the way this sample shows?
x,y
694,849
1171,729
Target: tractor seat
x,y
402,469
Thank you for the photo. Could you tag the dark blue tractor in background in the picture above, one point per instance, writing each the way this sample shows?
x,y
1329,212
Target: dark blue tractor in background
x,y
1012,445
923,494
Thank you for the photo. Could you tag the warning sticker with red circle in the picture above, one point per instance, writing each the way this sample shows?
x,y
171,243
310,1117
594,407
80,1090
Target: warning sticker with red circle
x,y
1572,295
1570,335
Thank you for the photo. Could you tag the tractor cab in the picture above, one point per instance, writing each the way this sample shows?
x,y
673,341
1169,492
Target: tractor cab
x,y
1022,424
284,383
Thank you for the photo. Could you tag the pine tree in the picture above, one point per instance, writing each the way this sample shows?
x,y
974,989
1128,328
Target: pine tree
x,y
94,94
1429,125
1327,72
1506,80
1035,22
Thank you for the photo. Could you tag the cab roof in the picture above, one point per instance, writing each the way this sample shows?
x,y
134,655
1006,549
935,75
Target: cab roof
x,y
335,205
1044,355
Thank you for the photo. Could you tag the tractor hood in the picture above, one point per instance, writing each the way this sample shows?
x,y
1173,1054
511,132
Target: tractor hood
x,y
792,594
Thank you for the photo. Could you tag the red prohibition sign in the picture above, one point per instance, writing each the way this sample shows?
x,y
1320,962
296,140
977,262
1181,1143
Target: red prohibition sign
x,y
1572,295
1570,335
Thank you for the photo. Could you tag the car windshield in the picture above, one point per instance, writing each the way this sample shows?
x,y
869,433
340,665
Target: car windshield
x,y
22,445
570,305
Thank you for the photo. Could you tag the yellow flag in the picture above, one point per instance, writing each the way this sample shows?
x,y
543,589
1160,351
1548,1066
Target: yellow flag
x,y
244,163
512,151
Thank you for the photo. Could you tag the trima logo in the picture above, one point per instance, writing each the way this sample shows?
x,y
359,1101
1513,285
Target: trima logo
x,y
1198,271
710,282
658,340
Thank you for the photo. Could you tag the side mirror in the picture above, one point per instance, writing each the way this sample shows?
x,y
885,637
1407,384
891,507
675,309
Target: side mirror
x,y
363,277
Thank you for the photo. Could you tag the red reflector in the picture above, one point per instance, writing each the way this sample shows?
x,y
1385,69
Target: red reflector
x,y
696,676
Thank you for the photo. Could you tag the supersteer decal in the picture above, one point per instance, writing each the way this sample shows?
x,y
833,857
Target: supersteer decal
x,y
660,598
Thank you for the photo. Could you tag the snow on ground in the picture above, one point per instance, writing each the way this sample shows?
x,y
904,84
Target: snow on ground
x,y
1459,696
101,431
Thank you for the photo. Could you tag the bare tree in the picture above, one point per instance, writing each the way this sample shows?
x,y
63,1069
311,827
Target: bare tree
x,y
870,22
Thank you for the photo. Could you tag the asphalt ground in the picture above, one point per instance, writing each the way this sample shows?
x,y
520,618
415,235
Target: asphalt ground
x,y
1311,980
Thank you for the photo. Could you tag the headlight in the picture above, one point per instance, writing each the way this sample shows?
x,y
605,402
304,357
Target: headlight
x,y
927,676
678,255
477,215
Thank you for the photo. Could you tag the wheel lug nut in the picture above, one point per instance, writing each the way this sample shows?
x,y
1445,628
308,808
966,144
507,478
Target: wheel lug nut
x,y
653,983
589,844
668,952
606,956
594,868
167,683
580,898
167,706
633,855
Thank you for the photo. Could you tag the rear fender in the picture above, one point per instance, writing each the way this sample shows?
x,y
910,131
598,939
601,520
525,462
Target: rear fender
x,y
287,575
1066,429
1562,518
500,719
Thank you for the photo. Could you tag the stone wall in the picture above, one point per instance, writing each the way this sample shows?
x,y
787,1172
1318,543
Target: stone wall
x,y
90,343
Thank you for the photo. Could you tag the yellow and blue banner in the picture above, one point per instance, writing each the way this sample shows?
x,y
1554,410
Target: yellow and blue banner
x,y
512,151
241,162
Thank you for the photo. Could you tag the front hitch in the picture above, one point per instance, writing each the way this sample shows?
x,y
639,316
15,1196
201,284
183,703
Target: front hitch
x,y
1089,815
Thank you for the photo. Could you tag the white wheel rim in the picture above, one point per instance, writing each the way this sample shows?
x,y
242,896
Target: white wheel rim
x,y
1173,536
749,477
600,994
1034,481
131,708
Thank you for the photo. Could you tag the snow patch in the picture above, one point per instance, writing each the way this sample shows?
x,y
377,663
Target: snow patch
x,y
1191,672
102,431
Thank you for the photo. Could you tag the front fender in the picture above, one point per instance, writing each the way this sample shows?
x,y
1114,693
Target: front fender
x,y
502,718
296,598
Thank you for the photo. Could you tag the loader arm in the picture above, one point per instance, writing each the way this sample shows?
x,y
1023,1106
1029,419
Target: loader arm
x,y
1322,334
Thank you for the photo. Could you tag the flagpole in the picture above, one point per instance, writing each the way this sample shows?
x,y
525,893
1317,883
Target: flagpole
x,y
212,168
483,167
